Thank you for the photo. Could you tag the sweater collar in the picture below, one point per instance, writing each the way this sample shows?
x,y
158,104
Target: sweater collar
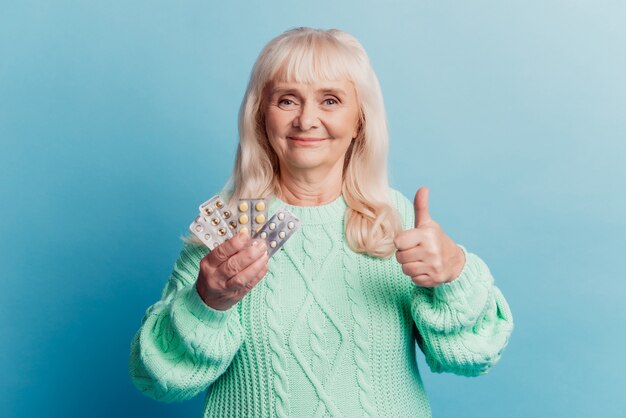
x,y
310,215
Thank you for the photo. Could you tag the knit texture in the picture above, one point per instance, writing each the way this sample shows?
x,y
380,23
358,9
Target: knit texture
x,y
326,333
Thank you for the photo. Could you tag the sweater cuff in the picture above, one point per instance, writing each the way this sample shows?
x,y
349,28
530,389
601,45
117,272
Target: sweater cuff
x,y
212,318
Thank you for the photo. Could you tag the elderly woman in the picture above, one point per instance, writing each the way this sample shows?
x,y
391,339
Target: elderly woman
x,y
329,325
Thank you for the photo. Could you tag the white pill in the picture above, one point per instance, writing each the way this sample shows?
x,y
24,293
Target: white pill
x,y
281,216
273,244
198,228
272,225
291,225
282,234
263,234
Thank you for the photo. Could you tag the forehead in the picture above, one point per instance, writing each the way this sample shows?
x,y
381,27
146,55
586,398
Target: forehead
x,y
344,87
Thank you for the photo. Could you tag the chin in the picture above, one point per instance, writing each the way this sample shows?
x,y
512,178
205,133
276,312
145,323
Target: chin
x,y
305,163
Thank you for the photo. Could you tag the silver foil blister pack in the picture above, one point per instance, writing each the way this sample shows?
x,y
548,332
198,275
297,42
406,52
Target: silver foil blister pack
x,y
215,223
278,229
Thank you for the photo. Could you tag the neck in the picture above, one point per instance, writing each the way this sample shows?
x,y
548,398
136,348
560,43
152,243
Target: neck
x,y
310,188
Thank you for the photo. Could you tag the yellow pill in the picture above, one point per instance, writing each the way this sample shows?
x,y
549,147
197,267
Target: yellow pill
x,y
243,219
215,221
208,210
219,204
244,230
233,224
260,219
260,206
221,231
243,206
226,214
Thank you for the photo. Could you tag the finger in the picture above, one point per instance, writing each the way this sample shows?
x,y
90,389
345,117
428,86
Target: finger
x,y
424,280
415,268
224,251
259,276
243,259
409,239
422,216
249,277
411,255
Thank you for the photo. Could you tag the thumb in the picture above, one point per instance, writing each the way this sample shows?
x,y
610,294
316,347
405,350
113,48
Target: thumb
x,y
421,207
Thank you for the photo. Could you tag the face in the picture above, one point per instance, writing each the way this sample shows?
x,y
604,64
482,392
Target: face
x,y
311,126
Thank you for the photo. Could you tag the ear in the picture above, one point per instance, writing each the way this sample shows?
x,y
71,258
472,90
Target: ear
x,y
359,126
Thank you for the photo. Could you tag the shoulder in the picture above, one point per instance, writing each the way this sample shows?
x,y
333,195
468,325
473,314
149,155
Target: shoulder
x,y
404,206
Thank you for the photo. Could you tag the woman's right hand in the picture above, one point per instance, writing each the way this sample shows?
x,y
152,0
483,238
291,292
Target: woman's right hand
x,y
231,270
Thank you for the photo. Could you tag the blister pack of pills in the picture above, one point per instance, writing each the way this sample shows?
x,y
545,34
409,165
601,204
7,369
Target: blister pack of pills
x,y
251,215
278,229
217,223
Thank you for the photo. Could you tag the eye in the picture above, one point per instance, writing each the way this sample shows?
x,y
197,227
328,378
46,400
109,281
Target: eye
x,y
330,101
287,103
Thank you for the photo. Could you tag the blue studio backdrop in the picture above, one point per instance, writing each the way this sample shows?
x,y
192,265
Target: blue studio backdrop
x,y
118,118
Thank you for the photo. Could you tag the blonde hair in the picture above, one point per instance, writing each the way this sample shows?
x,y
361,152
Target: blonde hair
x,y
306,55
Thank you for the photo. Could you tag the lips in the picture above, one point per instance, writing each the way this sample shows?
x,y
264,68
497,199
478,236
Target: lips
x,y
305,139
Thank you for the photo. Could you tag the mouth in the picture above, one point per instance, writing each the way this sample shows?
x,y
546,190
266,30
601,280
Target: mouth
x,y
305,140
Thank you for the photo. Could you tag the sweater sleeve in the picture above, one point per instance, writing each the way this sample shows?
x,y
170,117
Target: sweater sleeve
x,y
183,345
463,325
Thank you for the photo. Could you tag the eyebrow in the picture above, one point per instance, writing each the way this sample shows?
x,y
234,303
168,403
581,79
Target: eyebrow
x,y
288,90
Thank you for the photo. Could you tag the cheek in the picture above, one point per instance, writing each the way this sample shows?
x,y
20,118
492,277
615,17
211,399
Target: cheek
x,y
276,122
346,124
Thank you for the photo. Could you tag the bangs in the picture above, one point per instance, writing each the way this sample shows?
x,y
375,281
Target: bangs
x,y
308,59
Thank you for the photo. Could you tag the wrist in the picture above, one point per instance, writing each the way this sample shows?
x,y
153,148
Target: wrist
x,y
210,302
458,262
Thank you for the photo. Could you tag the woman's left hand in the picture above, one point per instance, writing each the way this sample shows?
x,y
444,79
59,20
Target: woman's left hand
x,y
426,253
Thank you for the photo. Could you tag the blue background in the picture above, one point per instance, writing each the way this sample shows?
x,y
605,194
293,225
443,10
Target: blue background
x,y
118,118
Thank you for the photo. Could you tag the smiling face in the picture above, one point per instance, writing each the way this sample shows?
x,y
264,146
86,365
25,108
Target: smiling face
x,y
311,126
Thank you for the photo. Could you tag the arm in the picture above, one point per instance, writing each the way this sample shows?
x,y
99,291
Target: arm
x,y
465,324
183,345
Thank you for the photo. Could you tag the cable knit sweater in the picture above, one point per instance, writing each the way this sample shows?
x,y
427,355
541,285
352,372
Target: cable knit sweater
x,y
327,332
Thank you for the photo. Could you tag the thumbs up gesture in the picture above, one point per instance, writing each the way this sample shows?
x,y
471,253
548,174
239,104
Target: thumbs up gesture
x,y
426,253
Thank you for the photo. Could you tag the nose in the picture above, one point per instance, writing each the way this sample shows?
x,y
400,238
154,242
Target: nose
x,y
307,118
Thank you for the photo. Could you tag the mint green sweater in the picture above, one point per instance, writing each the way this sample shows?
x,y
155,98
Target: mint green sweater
x,y
327,332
